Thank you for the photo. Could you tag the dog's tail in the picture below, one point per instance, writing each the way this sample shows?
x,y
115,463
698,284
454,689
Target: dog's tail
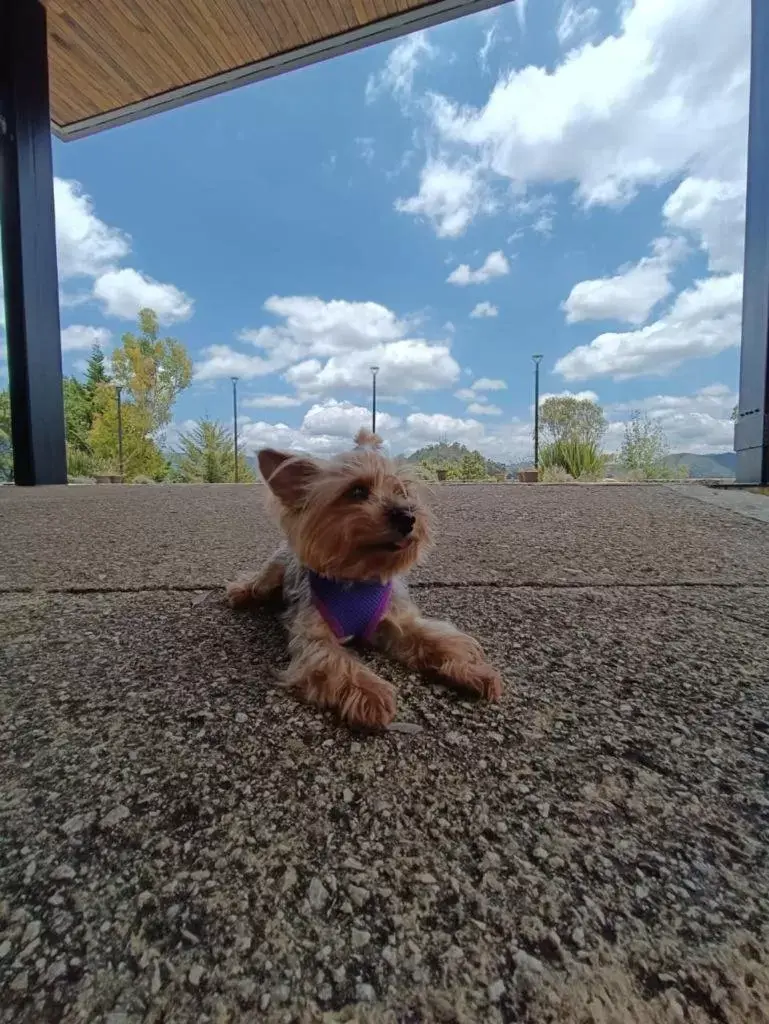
x,y
366,439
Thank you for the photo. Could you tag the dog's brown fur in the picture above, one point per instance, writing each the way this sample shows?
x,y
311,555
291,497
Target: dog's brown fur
x,y
331,533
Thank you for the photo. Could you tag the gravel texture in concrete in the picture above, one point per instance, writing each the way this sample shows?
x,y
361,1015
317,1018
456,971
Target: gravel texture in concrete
x,y
134,537
180,841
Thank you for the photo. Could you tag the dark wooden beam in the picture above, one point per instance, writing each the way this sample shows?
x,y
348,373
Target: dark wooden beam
x,y
751,433
30,275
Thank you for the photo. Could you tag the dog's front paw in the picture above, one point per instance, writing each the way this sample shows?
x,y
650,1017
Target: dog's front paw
x,y
367,702
240,594
484,680
476,677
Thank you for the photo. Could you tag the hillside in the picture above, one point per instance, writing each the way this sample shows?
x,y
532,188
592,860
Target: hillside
x,y
720,465
443,455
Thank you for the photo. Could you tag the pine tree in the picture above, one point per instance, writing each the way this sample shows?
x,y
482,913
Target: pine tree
x,y
96,371
208,456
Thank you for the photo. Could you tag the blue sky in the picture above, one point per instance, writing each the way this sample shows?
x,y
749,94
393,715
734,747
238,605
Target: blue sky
x,y
560,177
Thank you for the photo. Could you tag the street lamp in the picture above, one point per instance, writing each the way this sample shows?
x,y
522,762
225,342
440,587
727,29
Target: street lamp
x,y
235,421
537,360
118,393
374,372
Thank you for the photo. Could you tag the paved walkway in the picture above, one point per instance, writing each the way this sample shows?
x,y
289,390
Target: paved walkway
x,y
181,841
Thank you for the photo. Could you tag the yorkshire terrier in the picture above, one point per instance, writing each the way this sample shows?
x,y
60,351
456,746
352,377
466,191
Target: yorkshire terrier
x,y
354,525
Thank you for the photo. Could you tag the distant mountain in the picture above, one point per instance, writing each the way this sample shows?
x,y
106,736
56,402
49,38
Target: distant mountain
x,y
719,465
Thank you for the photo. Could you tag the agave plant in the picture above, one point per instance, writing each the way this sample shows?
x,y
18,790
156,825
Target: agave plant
x,y
580,459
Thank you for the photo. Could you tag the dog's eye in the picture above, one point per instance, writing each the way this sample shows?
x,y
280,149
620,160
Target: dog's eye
x,y
358,493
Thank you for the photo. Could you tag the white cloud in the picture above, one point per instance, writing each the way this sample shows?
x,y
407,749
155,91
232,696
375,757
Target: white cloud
x,y
427,427
664,98
80,336
495,265
483,409
484,309
403,61
694,423
260,434
629,295
125,291
713,211
575,22
343,419
489,39
666,94
475,396
489,384
450,196
541,208
224,361
313,326
581,396
324,347
270,401
407,365
703,321
86,246
698,423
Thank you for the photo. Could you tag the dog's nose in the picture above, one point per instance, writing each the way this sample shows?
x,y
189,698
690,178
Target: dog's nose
x,y
402,519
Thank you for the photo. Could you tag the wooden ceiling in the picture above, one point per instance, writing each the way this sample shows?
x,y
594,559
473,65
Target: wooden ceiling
x,y
112,61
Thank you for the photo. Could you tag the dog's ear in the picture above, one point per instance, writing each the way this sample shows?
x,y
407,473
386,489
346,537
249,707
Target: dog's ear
x,y
287,476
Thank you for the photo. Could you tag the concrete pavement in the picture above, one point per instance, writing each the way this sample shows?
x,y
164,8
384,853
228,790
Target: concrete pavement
x,y
181,841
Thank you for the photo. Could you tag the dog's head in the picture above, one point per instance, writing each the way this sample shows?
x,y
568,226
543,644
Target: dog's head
x,y
356,516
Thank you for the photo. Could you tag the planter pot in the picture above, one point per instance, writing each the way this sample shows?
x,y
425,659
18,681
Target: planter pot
x,y
103,478
115,478
528,476
442,474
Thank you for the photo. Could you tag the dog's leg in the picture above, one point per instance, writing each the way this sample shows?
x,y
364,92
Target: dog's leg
x,y
325,673
266,586
435,647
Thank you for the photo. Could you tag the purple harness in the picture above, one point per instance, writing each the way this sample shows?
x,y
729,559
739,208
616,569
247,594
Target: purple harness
x,y
352,609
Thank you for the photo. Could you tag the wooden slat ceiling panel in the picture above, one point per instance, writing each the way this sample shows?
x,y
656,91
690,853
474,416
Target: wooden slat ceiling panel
x,y
108,55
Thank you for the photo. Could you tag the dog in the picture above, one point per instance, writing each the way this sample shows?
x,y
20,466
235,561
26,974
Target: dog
x,y
353,526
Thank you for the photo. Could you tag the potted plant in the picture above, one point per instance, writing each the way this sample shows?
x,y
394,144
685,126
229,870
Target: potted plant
x,y
528,476
108,473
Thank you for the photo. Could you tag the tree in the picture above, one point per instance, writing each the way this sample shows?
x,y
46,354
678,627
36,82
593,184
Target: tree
x,y
152,370
208,456
78,413
141,454
472,467
644,449
6,446
566,418
96,371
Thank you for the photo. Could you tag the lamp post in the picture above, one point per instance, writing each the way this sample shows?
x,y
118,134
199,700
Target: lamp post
x,y
118,394
235,421
374,372
537,360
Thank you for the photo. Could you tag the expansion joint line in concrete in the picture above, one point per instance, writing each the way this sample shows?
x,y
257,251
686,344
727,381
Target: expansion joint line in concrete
x,y
502,585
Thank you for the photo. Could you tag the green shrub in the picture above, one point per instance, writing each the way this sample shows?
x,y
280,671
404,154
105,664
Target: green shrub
x,y
580,459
